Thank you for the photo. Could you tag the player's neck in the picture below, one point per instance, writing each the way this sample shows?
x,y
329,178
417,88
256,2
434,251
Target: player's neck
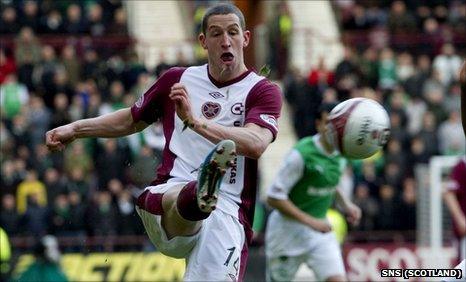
x,y
221,75
325,144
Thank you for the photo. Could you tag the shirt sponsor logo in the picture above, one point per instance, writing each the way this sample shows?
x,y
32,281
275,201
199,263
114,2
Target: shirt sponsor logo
x,y
270,120
211,109
237,109
312,191
216,95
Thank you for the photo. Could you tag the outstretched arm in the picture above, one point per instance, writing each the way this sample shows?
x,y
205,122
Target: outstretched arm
x,y
116,124
463,95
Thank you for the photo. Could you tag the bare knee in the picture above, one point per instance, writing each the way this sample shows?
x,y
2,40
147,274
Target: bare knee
x,y
173,224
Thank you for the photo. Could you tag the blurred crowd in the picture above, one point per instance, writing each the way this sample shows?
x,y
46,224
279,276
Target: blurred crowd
x,y
42,87
95,17
419,88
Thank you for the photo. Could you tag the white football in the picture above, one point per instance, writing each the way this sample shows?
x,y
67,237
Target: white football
x,y
359,127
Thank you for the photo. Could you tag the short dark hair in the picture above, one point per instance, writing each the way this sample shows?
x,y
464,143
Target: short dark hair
x,y
222,9
325,108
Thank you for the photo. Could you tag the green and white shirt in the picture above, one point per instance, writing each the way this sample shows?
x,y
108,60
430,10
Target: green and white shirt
x,y
308,177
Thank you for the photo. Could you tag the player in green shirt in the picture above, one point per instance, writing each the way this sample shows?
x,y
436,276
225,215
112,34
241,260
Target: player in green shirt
x,y
301,194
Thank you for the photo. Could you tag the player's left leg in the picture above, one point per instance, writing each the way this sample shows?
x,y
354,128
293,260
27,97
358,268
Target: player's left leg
x,y
326,260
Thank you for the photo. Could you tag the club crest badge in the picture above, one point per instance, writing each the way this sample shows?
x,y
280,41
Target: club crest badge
x,y
211,109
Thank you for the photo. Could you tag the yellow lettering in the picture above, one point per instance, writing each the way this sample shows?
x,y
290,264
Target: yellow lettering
x,y
134,270
71,265
23,263
94,267
162,268
118,263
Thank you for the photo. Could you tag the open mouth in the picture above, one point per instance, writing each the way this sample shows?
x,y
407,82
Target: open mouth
x,y
227,57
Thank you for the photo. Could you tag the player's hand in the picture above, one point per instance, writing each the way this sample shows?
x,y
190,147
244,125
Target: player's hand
x,y
353,214
57,138
179,96
321,225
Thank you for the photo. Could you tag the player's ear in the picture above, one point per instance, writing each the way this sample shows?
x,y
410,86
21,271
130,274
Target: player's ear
x,y
247,36
201,39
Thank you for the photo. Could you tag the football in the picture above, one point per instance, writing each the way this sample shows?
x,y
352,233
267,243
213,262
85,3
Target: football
x,y
359,127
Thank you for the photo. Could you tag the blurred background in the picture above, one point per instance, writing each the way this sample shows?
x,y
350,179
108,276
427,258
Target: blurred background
x,y
65,60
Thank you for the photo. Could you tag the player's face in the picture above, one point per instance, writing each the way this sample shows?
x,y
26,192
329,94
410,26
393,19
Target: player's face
x,y
224,41
323,130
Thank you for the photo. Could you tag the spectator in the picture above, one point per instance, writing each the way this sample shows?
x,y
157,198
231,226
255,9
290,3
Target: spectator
x,y
95,20
71,63
417,108
428,133
9,23
418,154
387,70
393,176
119,25
36,217
346,74
91,67
41,159
74,24
9,217
414,84
77,157
358,20
126,213
279,37
60,85
52,22
386,219
9,179
395,154
404,67
38,120
142,169
78,183
406,210
30,186
13,97
368,205
110,163
7,65
321,77
302,102
30,15
77,213
400,20
105,218
60,115
451,139
45,71
54,183
60,216
369,68
447,64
